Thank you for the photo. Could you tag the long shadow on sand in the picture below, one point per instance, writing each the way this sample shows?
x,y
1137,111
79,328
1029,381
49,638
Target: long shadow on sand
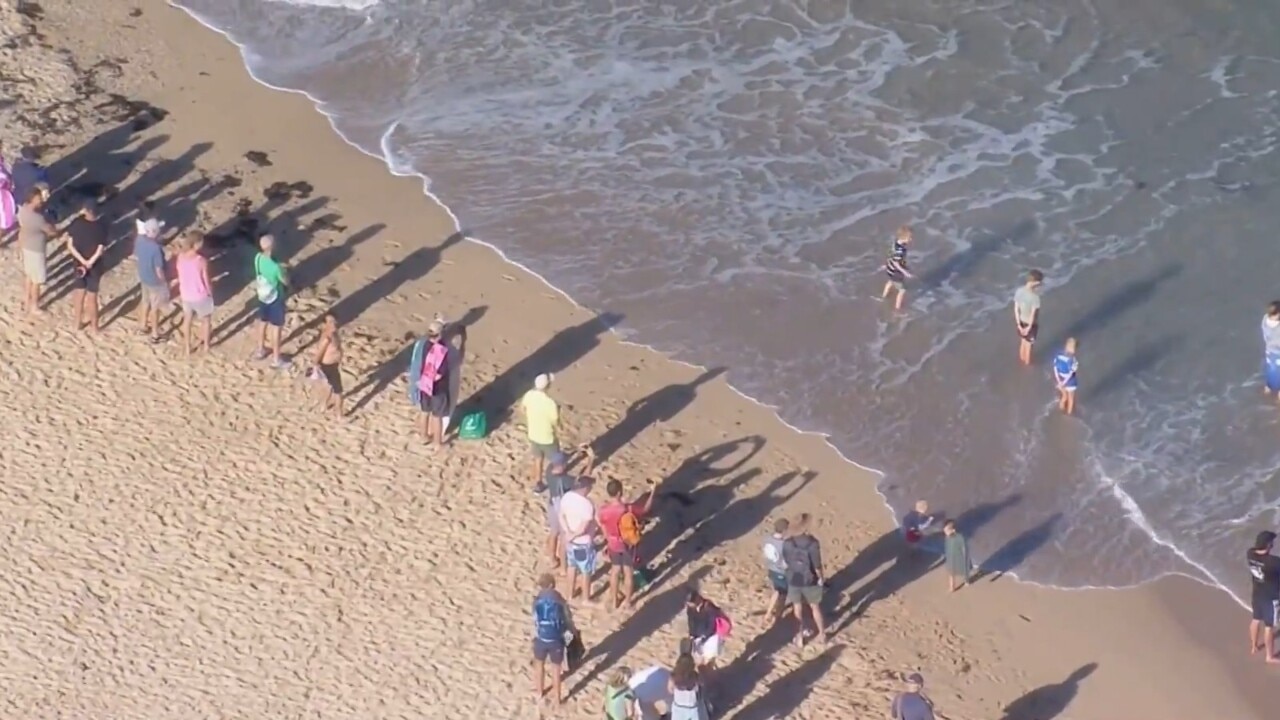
x,y
649,617
786,694
1113,305
904,568
565,348
1143,359
963,263
1016,551
1049,701
662,405
381,377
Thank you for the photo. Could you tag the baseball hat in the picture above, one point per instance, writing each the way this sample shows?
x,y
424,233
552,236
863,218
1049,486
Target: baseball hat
x,y
1265,540
558,459
915,679
542,381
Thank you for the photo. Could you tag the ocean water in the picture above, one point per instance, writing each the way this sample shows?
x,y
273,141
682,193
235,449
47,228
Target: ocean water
x,y
728,176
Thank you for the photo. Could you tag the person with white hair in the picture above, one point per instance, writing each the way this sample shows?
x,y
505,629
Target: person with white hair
x,y
271,283
542,421
153,278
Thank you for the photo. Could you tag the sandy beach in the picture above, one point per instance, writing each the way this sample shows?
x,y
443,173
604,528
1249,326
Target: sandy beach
x,y
189,538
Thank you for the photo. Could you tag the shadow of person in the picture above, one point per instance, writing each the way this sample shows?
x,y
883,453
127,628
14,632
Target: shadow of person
x,y
1114,304
380,377
975,518
963,263
721,519
675,492
1016,551
662,405
904,567
317,266
648,618
739,678
566,347
787,693
1049,701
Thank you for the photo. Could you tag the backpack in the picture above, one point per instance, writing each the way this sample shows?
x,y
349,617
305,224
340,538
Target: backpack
x,y
432,362
266,289
548,619
475,426
629,528
796,558
724,626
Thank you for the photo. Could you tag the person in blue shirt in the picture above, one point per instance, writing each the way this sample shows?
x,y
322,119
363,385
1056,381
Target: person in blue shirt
x,y
1065,369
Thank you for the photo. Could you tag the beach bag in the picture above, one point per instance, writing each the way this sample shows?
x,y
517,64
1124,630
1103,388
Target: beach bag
x,y
437,353
265,289
640,578
475,426
574,652
629,529
724,626
548,620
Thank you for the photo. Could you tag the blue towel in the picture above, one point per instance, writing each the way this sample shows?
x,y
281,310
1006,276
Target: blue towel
x,y
415,370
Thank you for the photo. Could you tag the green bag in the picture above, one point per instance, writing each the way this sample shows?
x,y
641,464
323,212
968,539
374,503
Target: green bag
x,y
475,426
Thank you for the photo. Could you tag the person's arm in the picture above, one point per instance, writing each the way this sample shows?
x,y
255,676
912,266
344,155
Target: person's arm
x,y
648,501
71,248
204,272
325,341
895,709
815,559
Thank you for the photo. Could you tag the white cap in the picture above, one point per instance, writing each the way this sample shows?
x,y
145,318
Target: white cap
x,y
542,381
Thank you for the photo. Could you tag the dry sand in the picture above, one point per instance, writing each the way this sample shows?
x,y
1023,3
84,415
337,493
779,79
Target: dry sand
x,y
190,539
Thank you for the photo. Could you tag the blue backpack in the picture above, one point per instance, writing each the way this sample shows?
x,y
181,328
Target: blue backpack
x,y
548,619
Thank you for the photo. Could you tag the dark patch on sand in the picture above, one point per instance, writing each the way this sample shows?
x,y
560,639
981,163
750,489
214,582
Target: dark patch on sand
x,y
282,191
326,222
259,158
30,10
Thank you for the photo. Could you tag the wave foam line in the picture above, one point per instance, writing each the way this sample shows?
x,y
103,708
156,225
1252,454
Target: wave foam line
x,y
1133,512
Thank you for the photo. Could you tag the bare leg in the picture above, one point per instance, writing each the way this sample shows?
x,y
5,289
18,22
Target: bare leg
x,y
337,405
799,613
262,337
1255,643
77,307
208,333
628,585
552,545
1071,403
539,678
573,580
92,300
902,297
1269,645
555,684
818,621
275,344
187,320
888,287
422,427
614,601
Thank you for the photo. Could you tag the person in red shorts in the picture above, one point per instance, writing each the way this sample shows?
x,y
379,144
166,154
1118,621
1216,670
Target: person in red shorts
x,y
620,523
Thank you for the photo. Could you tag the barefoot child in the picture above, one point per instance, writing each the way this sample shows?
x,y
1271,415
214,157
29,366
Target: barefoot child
x,y
1065,367
956,554
896,268
195,290
328,359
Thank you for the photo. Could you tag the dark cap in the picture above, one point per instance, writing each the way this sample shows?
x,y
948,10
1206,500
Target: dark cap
x,y
915,679
1265,540
558,460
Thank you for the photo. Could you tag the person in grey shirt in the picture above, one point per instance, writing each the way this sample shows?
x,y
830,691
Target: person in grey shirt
x,y
913,704
1026,314
776,566
35,232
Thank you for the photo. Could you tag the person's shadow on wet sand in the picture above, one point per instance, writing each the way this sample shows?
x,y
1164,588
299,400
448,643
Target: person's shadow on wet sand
x,y
662,405
1113,305
565,348
787,693
650,615
380,378
1016,551
755,663
1049,701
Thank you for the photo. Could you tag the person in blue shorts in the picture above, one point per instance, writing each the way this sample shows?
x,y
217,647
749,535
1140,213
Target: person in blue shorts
x,y
271,284
1271,350
552,628
1065,372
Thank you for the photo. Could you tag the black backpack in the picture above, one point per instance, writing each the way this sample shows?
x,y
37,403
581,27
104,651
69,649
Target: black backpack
x,y
796,557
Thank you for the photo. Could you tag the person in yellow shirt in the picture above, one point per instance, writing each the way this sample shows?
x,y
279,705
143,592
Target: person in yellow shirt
x,y
542,417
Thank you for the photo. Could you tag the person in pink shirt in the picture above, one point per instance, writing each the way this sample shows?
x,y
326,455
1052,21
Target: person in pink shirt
x,y
194,288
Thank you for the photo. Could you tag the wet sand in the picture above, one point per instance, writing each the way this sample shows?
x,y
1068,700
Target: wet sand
x,y
192,539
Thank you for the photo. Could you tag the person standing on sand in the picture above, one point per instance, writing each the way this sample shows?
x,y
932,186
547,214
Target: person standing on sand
x,y
552,624
915,523
1264,572
328,361
912,704
557,484
578,522
1026,314
87,243
956,556
429,382
152,277
35,232
620,524
776,568
707,626
802,554
896,268
271,285
195,289
688,701
1271,350
1065,369
542,418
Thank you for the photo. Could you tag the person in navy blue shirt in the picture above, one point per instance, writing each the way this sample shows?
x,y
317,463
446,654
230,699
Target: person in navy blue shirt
x,y
1065,370
895,268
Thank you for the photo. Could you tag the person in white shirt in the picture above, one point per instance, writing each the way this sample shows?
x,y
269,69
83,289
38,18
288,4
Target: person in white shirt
x,y
578,523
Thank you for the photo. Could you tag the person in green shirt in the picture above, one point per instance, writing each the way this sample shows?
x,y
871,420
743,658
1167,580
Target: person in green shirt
x,y
271,284
956,556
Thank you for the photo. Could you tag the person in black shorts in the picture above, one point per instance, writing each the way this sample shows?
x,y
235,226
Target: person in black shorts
x,y
1264,571
1026,314
87,243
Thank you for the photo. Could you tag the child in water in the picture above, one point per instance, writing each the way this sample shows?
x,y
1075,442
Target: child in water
x,y
895,268
1065,367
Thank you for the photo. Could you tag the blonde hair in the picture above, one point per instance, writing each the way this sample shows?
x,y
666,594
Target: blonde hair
x,y
619,677
904,232
191,240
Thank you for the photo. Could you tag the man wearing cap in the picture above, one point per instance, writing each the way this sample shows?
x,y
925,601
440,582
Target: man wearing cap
x,y
429,382
1264,571
152,276
913,704
542,418
558,482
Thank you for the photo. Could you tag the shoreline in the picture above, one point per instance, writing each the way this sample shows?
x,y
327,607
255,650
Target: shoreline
x,y
615,367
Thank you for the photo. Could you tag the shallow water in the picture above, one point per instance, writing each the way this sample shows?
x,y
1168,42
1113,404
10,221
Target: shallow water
x,y
727,176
